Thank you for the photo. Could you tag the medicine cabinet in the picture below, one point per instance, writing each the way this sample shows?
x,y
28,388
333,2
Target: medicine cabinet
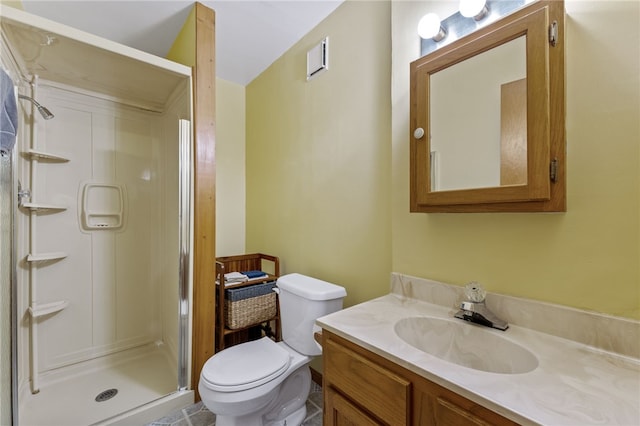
x,y
487,118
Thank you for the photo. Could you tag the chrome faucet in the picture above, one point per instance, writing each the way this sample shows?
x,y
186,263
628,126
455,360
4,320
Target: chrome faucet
x,y
474,309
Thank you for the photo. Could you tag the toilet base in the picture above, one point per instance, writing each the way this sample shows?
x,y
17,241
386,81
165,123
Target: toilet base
x,y
296,418
288,406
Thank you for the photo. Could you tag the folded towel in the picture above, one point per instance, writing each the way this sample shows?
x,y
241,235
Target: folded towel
x,y
8,113
252,275
235,277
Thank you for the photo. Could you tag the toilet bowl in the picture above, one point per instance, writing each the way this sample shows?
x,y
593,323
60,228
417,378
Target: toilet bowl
x,y
245,383
264,383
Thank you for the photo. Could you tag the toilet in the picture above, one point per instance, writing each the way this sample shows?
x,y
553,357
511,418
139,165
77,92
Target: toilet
x,y
264,383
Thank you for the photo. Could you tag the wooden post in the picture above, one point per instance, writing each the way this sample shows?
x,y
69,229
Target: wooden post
x,y
204,194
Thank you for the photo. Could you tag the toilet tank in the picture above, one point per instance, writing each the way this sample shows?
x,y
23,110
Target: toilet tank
x,y
302,300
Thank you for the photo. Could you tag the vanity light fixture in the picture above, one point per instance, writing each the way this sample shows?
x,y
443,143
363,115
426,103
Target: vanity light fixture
x,y
476,9
430,27
471,16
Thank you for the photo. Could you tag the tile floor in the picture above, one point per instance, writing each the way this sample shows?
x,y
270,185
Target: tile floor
x,y
198,415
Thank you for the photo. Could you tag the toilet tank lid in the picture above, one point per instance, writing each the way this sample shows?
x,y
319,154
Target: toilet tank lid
x,y
310,288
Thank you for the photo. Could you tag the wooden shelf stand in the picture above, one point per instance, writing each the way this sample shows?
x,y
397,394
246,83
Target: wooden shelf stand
x,y
246,262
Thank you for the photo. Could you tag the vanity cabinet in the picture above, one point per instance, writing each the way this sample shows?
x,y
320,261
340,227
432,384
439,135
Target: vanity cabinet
x,y
362,388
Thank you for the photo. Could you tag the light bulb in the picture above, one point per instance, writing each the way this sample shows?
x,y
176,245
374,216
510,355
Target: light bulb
x,y
476,9
429,27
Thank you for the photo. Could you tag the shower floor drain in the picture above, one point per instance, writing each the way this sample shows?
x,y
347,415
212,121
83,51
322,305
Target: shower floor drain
x,y
106,395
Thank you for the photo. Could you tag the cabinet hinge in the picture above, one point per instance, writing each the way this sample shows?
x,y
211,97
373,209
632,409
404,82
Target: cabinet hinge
x,y
553,33
553,170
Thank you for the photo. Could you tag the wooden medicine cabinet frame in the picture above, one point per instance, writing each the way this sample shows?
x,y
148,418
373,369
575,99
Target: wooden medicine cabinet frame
x,y
542,23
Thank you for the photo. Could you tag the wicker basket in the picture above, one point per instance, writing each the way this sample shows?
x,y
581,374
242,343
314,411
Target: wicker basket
x,y
249,305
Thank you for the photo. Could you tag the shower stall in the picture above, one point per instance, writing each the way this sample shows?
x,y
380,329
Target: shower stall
x,y
96,213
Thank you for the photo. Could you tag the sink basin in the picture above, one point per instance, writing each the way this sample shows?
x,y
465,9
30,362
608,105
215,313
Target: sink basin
x,y
466,345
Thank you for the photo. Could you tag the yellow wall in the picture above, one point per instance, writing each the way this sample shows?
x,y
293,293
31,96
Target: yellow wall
x,y
328,181
13,3
230,168
230,147
318,155
183,49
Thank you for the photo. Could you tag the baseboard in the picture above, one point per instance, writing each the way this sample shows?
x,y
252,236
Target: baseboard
x,y
316,376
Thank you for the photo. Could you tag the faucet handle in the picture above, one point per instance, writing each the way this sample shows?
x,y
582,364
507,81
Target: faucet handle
x,y
475,292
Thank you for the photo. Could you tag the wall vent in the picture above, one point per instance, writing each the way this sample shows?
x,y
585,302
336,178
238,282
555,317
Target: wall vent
x,y
318,59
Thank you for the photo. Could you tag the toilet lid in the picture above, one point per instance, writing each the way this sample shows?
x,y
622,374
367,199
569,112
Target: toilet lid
x,y
245,366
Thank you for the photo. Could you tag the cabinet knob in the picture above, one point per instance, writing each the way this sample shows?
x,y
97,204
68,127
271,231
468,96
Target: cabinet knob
x,y
418,133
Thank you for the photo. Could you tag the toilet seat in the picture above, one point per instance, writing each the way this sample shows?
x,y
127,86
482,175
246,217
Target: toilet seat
x,y
245,366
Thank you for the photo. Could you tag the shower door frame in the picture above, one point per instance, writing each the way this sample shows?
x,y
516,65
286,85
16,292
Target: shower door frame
x,y
7,266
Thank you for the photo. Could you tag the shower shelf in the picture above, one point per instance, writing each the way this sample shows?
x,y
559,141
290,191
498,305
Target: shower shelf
x,y
46,256
45,156
47,308
42,207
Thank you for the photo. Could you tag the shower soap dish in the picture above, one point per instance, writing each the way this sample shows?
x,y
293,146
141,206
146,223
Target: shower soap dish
x,y
102,206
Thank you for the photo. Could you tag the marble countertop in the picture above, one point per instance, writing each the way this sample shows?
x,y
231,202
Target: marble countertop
x,y
574,384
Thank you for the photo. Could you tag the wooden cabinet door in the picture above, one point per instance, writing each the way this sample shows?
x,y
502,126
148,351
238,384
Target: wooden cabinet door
x,y
339,411
373,387
451,414
434,405
362,388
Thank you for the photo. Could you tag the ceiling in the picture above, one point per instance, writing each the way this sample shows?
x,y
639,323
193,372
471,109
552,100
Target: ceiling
x,y
250,34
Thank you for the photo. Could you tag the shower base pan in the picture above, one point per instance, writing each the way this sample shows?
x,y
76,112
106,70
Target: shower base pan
x,y
141,384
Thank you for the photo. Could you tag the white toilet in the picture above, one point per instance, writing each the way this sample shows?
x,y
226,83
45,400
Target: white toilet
x,y
267,383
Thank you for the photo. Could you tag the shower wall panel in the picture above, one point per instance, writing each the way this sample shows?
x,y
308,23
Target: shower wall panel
x,y
113,278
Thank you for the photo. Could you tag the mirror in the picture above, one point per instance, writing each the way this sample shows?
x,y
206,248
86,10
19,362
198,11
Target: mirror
x,y
487,118
478,120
